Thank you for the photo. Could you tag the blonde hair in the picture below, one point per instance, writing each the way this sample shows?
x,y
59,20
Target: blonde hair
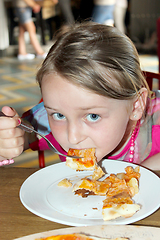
x,y
96,57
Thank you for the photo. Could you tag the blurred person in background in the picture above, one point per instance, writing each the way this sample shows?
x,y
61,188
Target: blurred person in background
x,y
103,12
120,14
66,9
23,11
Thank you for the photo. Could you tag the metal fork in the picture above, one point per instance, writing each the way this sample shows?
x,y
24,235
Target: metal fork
x,y
28,128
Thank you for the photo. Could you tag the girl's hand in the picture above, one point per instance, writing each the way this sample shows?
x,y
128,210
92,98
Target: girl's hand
x,y
11,137
34,5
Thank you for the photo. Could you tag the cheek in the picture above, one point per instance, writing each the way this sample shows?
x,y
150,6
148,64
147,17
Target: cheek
x,y
58,133
108,138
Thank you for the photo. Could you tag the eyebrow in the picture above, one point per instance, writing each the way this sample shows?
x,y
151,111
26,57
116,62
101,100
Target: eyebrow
x,y
49,107
92,107
81,108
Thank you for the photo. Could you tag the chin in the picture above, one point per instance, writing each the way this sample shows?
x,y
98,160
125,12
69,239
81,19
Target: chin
x,y
100,157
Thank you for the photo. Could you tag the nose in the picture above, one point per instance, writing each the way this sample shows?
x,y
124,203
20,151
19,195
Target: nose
x,y
75,133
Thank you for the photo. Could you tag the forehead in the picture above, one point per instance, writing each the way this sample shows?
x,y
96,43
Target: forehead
x,y
58,91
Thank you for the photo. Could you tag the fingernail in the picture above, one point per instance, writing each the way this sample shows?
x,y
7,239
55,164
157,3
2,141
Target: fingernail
x,y
11,108
19,121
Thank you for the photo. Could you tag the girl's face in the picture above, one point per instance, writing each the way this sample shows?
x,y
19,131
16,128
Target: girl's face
x,y
80,118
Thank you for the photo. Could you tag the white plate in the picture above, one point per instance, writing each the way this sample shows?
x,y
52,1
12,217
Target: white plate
x,y
131,232
41,195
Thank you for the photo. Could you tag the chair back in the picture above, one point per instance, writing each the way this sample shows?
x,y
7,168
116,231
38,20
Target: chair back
x,y
152,78
41,156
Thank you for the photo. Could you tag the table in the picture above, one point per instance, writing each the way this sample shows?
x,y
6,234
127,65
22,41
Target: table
x,y
16,221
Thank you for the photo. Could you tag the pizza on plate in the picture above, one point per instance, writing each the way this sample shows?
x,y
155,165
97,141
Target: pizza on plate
x,y
120,205
79,236
118,192
88,186
119,189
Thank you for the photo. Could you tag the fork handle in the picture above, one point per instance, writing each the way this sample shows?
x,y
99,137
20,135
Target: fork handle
x,y
26,127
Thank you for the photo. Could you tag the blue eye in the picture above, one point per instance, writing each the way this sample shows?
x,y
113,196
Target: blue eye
x,y
93,117
58,116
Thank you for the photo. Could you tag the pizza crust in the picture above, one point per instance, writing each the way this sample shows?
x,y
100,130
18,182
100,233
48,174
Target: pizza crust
x,y
120,210
121,205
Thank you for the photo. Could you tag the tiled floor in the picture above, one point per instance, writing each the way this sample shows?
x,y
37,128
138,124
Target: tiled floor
x,y
20,91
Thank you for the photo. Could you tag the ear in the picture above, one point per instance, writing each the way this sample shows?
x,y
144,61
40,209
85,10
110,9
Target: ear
x,y
139,105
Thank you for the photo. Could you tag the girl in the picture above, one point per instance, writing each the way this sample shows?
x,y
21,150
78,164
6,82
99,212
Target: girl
x,y
94,95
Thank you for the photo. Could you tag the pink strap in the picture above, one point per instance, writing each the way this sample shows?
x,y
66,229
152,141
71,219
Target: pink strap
x,y
6,162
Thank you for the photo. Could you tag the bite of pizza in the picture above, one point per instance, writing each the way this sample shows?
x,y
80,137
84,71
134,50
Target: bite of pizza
x,y
87,162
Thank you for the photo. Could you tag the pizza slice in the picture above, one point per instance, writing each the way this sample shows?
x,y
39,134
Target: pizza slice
x,y
120,205
87,162
117,186
130,173
86,187
79,236
131,177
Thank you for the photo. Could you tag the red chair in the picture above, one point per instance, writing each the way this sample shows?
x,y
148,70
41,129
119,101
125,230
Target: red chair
x,y
41,153
150,76
41,159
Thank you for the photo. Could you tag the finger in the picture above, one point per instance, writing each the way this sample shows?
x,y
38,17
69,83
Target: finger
x,y
11,153
11,133
12,142
11,147
8,143
9,122
9,111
